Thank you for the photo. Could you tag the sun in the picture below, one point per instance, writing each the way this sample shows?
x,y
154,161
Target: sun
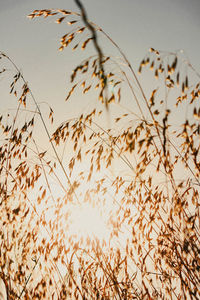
x,y
87,221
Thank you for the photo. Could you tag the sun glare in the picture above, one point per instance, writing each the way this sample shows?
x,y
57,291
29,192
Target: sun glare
x,y
87,221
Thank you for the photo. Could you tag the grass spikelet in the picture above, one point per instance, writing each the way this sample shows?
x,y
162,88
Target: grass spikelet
x,y
72,22
58,21
71,92
85,43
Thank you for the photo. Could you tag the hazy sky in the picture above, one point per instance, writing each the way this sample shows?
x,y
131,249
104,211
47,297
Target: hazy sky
x,y
136,25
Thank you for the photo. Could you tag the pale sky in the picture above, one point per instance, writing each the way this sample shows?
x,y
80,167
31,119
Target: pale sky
x,y
136,25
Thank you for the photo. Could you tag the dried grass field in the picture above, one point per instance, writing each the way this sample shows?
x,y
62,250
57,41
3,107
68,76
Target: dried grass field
x,y
104,205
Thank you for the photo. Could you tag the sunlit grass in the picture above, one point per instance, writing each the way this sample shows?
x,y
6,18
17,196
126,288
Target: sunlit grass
x,y
103,210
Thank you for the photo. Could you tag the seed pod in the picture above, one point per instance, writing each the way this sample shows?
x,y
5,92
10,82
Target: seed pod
x,y
183,87
152,65
177,78
173,67
186,82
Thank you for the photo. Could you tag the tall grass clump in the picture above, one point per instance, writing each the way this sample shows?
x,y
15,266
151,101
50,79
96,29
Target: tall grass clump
x,y
105,205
